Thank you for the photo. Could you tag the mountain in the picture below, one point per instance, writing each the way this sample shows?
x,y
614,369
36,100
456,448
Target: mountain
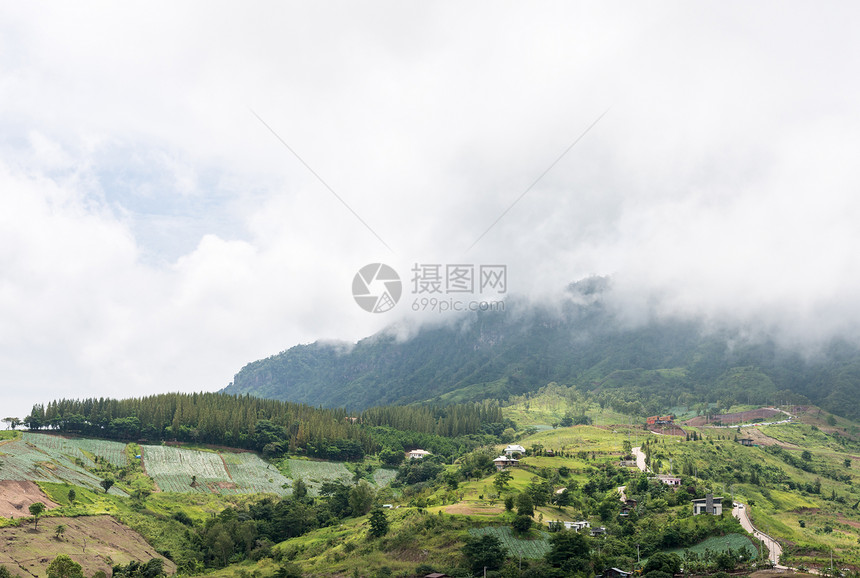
x,y
640,368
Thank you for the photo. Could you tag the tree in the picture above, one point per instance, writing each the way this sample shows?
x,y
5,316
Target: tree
x,y
663,562
806,455
378,523
59,531
300,489
525,506
569,551
502,479
391,457
107,484
361,498
11,422
4,573
36,510
484,552
563,499
65,567
72,495
522,524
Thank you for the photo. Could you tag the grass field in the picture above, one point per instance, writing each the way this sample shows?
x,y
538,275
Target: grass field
x,y
516,546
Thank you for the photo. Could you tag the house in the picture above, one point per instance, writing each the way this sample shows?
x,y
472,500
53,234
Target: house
x,y
671,481
599,531
560,491
514,449
615,573
417,454
659,420
549,453
629,506
436,575
746,441
627,463
575,526
503,462
708,505
351,419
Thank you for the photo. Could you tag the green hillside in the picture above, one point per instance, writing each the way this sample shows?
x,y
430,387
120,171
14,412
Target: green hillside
x,y
636,369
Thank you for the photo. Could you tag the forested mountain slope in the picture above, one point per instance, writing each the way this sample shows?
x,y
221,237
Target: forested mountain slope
x,y
638,369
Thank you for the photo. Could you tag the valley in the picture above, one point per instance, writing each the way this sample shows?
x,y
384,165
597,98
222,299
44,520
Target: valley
x,y
203,508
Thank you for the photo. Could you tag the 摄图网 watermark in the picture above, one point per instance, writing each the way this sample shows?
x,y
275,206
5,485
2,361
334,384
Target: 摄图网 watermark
x,y
377,287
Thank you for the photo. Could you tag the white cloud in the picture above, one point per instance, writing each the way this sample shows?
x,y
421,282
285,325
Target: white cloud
x,y
155,235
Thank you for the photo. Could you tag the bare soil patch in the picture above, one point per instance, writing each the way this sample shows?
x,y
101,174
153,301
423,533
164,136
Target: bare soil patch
x,y
760,438
474,509
667,430
94,542
16,497
742,417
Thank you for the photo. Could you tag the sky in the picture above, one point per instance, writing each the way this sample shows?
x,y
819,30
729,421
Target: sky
x,y
188,187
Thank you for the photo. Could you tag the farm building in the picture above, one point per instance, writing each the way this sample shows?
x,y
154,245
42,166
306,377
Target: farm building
x,y
746,441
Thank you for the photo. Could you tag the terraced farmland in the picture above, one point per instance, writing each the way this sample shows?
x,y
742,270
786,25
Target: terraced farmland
x,y
383,476
84,449
47,459
315,473
181,470
516,547
252,474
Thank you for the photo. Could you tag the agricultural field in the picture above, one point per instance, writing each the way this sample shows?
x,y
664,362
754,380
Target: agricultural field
x,y
720,544
83,449
516,547
95,542
251,474
38,461
383,476
181,470
315,473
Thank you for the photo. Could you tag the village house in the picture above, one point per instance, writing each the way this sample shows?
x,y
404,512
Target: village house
x,y
417,454
503,462
514,449
708,505
659,420
670,481
575,526
746,441
615,573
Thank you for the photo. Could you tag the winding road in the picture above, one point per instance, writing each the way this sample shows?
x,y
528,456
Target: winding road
x,y
739,511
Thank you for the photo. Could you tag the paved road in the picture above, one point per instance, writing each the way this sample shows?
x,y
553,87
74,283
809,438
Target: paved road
x,y
774,550
640,458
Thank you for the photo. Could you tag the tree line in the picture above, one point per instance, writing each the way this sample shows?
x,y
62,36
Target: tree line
x,y
269,426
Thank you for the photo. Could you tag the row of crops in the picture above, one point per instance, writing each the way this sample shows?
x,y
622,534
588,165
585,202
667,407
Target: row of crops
x,y
46,458
53,458
534,549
